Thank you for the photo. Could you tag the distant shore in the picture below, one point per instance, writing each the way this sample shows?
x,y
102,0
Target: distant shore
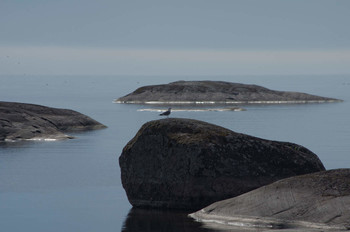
x,y
224,102
216,92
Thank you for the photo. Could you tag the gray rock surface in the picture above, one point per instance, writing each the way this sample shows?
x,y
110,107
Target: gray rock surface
x,y
318,200
217,92
189,164
20,121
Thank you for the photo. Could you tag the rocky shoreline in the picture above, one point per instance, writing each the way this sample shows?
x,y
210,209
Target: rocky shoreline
x,y
216,92
21,121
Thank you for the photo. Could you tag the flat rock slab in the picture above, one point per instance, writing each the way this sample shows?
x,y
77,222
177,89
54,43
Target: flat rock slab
x,y
215,92
20,121
319,200
189,164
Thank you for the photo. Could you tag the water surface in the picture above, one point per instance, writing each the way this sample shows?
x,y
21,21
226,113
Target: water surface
x,y
74,185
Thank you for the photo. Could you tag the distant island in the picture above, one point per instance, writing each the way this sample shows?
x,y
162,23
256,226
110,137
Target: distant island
x,y
216,92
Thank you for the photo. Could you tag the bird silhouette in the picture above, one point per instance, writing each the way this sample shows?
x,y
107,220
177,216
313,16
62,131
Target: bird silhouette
x,y
166,113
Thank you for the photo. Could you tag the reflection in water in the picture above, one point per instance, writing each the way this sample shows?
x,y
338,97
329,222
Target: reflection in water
x,y
17,144
152,220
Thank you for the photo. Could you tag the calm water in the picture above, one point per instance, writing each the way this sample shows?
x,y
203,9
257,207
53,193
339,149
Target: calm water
x,y
74,185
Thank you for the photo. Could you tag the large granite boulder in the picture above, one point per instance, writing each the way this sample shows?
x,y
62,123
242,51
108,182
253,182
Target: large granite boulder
x,y
318,200
215,92
20,121
189,164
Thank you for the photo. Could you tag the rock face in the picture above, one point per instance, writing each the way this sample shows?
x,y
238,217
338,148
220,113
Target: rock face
x,y
215,92
20,121
317,200
189,164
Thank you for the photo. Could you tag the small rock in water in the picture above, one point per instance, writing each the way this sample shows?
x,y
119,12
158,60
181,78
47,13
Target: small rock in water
x,y
21,121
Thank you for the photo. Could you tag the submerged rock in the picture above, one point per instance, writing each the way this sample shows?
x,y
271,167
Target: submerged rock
x,y
215,92
189,164
20,121
318,200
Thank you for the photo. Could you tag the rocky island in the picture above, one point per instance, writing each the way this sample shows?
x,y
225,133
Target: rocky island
x,y
21,121
215,92
314,201
188,164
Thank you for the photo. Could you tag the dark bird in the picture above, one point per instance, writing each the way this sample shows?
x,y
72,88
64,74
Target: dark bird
x,y
166,113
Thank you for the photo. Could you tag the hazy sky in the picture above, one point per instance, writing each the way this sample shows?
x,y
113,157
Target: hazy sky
x,y
182,37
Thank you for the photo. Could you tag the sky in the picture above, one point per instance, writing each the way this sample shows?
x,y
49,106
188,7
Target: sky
x,y
182,37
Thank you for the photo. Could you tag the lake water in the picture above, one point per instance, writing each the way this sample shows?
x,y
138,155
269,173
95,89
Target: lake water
x,y
74,185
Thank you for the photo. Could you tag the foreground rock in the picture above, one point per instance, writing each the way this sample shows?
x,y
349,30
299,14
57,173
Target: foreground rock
x,y
319,200
20,121
215,92
189,164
